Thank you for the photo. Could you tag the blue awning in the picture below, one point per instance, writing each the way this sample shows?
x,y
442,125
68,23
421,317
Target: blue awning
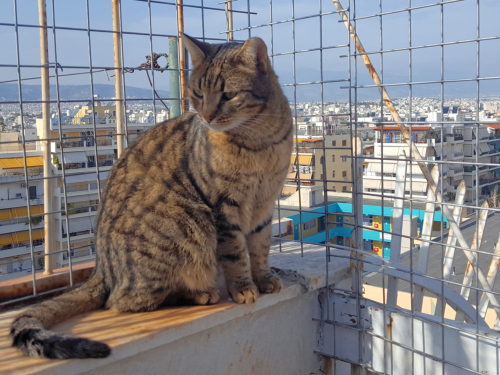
x,y
306,216
372,235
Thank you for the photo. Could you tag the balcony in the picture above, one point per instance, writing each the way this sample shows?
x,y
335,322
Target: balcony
x,y
20,251
229,328
481,169
90,164
85,143
78,189
487,181
327,319
19,202
429,141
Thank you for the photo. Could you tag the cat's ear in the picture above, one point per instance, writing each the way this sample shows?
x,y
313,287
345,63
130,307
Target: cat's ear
x,y
198,50
256,49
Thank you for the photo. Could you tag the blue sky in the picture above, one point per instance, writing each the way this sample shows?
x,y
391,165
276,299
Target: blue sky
x,y
459,24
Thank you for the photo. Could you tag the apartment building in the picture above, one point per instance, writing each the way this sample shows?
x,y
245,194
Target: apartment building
x,y
436,145
336,162
12,140
317,160
15,195
460,150
311,226
481,145
87,152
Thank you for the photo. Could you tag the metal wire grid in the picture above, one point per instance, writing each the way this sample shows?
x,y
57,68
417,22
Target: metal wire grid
x,y
447,365
359,258
58,67
250,19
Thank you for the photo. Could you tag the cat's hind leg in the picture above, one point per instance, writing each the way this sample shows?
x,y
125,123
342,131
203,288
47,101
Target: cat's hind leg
x,y
207,297
137,299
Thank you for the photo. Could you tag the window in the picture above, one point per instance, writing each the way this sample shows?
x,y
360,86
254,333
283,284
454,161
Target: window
x,y
322,160
367,220
321,176
344,173
32,192
367,245
333,174
334,143
344,158
344,142
344,188
333,158
310,224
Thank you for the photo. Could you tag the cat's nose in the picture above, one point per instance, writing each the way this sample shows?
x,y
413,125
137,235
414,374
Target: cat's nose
x,y
208,118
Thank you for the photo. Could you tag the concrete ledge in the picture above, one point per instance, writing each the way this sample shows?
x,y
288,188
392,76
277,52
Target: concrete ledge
x,y
276,335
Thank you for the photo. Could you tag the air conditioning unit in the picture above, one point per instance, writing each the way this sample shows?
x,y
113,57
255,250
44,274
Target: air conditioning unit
x,y
23,185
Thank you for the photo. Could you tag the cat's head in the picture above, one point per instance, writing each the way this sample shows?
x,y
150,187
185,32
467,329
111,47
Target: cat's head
x,y
231,83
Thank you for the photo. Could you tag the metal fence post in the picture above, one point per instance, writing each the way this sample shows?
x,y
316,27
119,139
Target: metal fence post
x,y
173,63
117,45
48,183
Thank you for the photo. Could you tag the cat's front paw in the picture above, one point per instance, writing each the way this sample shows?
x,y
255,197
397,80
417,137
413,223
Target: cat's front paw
x,y
269,283
247,293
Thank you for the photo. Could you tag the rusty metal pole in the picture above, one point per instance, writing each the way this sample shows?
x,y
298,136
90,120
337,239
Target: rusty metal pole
x,y
117,46
48,183
229,19
416,154
182,55
357,259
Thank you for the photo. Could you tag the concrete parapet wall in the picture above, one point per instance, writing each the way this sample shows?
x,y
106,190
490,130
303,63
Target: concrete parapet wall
x,y
276,335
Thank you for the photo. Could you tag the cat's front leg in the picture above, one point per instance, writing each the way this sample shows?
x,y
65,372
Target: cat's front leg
x,y
259,242
232,255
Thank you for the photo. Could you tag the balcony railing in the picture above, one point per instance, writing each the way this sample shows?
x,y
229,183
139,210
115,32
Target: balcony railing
x,y
85,143
90,164
75,254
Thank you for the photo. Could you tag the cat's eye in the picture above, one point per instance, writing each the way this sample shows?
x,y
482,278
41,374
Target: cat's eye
x,y
228,95
198,93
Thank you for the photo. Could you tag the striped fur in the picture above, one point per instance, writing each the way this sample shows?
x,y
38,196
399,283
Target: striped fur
x,y
189,195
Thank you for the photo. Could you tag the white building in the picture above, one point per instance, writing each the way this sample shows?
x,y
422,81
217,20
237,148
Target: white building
x,y
434,145
87,154
15,194
481,145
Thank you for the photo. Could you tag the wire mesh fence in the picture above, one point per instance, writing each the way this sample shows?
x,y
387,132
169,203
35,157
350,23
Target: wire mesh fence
x,y
395,165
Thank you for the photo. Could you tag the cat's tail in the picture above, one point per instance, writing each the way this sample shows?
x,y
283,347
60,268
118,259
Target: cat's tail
x,y
30,333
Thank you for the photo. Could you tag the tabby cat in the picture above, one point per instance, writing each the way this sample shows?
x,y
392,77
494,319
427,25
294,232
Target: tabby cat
x,y
188,195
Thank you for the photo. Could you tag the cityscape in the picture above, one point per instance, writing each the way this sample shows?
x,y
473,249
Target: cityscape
x,y
384,235
445,133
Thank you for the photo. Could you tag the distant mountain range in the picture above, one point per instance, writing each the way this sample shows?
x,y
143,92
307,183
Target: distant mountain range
x,y
9,92
336,91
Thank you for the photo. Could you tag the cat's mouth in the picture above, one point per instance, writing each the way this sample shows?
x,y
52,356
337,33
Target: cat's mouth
x,y
220,126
